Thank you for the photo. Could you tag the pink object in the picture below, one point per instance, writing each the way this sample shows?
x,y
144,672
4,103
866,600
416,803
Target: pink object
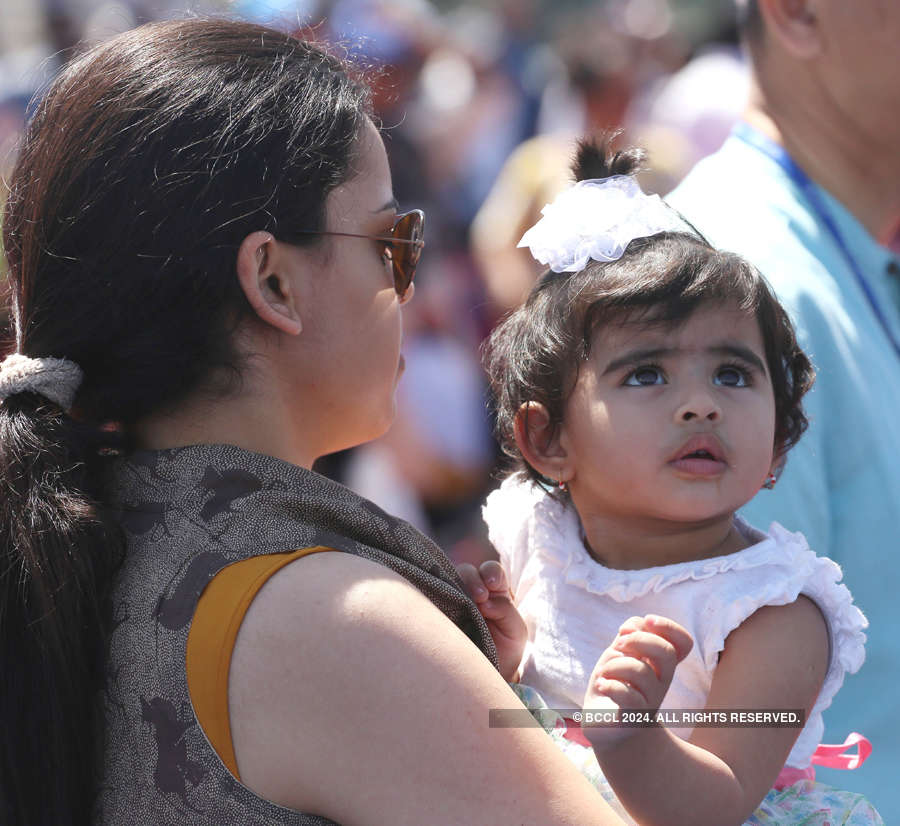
x,y
574,733
831,757
836,757
789,775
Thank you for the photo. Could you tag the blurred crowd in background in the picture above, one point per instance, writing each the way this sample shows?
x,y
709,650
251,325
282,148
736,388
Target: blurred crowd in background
x,y
481,102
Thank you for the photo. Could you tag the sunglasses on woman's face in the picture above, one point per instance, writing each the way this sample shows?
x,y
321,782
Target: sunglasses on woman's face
x,y
405,243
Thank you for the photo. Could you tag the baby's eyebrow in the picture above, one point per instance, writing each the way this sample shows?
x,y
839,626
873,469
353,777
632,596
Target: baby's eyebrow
x,y
739,351
650,354
638,356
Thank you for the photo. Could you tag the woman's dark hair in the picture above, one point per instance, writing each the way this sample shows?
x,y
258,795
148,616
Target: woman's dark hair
x,y
145,165
533,355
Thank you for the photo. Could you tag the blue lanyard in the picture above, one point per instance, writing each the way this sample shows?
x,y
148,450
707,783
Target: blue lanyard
x,y
777,153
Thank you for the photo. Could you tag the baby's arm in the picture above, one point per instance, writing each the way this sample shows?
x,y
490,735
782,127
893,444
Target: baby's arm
x,y
488,587
777,659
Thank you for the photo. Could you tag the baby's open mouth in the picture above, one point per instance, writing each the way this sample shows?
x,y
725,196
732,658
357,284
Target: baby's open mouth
x,y
701,455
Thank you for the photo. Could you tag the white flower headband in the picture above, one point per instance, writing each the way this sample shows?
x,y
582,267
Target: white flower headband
x,y
596,219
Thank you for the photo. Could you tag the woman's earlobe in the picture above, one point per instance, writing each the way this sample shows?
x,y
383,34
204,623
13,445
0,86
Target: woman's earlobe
x,y
266,287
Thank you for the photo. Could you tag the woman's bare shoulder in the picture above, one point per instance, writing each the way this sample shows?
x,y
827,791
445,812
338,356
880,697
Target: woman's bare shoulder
x,y
351,695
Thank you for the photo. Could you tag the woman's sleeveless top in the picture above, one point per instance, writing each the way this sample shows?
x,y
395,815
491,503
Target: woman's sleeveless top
x,y
186,514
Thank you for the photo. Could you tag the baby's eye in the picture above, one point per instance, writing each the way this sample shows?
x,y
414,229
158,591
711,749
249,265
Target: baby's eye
x,y
387,252
645,377
731,376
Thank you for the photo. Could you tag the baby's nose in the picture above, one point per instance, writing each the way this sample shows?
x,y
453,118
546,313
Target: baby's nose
x,y
699,405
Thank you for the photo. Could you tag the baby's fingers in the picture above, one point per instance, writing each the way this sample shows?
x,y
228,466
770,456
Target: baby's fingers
x,y
631,624
493,575
622,695
644,688
473,583
653,649
670,630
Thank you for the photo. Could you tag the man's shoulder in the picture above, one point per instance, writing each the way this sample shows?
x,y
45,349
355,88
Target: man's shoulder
x,y
735,194
743,203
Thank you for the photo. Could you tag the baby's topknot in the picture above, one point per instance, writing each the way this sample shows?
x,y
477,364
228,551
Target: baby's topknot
x,y
595,159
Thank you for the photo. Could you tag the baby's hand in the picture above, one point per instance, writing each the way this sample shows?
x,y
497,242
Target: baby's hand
x,y
488,587
635,672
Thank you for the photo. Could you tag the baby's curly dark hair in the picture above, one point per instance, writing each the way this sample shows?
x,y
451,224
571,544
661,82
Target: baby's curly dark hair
x,y
533,355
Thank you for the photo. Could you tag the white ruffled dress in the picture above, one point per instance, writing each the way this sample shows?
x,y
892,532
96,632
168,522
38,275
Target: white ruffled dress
x,y
573,606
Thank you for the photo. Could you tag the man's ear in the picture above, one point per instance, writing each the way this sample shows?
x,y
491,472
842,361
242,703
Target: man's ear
x,y
264,281
794,24
541,444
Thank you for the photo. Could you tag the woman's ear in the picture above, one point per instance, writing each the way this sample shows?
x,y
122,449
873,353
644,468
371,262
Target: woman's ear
x,y
541,443
264,281
794,24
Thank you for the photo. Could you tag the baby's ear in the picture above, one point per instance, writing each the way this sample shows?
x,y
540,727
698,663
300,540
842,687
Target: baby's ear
x,y
539,441
779,460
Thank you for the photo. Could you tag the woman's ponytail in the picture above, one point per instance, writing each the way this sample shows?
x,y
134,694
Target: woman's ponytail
x,y
58,556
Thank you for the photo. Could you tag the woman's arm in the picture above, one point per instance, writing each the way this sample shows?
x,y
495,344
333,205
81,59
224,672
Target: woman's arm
x,y
353,697
776,659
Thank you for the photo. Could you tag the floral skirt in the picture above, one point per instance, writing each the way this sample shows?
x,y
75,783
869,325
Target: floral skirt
x,y
805,803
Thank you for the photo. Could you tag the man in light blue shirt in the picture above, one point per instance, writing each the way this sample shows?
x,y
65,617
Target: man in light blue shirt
x,y
808,189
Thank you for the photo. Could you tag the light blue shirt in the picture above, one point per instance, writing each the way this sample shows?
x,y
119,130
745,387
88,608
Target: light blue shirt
x,y
841,484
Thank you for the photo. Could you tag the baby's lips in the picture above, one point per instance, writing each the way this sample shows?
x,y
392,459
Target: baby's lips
x,y
700,442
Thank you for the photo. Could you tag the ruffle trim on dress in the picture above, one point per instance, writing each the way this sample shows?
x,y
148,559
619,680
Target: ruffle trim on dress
x,y
524,520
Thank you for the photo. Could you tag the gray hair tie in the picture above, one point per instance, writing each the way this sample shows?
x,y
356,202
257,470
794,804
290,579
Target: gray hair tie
x,y
57,380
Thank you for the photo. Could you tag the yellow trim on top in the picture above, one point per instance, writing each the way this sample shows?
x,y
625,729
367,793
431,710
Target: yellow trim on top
x,y
214,629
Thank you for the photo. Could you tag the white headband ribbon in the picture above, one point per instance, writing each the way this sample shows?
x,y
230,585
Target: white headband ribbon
x,y
57,380
597,219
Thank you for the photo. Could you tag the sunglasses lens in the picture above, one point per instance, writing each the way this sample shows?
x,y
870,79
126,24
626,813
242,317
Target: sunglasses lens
x,y
408,228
